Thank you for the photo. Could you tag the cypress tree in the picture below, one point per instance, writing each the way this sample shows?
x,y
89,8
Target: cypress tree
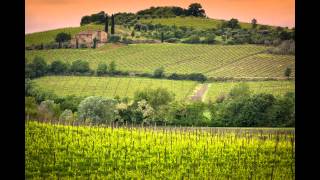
x,y
112,24
162,37
106,27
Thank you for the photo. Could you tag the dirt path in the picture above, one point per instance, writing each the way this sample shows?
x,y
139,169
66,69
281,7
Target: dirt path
x,y
198,95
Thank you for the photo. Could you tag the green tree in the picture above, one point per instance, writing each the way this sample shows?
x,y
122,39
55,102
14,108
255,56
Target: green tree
x,y
62,37
80,66
37,68
30,107
112,67
58,67
287,72
49,110
254,23
102,69
97,110
132,33
233,23
159,72
195,9
66,116
155,97
239,90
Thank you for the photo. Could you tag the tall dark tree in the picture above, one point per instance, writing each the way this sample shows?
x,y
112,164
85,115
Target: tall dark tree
x,y
195,9
106,27
112,24
254,23
62,37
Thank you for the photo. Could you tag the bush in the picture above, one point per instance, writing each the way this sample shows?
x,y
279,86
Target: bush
x,y
156,97
240,90
102,69
66,116
114,38
37,68
30,107
158,73
49,110
286,47
209,39
80,66
194,39
58,67
197,77
97,110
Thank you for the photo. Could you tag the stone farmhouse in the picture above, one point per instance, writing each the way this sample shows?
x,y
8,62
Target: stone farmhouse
x,y
87,37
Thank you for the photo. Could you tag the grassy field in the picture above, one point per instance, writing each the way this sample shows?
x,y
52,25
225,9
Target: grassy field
x,y
46,37
111,86
211,60
58,151
197,23
273,87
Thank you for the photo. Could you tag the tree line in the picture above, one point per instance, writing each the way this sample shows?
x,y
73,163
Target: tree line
x,y
238,108
194,9
39,67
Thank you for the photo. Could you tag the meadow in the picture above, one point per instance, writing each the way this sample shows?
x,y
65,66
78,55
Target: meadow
x,y
211,60
111,86
277,88
95,152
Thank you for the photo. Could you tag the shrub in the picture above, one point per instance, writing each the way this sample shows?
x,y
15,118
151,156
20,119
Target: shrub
x,y
194,39
156,97
49,110
240,90
97,110
102,69
114,38
66,116
158,73
80,66
58,67
209,39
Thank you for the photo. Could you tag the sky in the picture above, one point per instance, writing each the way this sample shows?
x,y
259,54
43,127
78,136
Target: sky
x,y
41,15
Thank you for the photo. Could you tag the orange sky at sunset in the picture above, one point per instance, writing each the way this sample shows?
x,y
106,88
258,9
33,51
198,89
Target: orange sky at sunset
x,y
43,15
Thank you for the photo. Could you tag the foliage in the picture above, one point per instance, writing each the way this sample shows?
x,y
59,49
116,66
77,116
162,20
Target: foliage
x,y
155,97
102,69
240,90
287,72
58,67
80,66
37,68
195,9
93,18
114,38
193,153
66,116
30,107
97,110
49,110
159,72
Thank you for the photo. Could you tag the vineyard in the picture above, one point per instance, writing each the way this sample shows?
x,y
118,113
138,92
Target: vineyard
x,y
111,86
127,86
212,61
276,88
58,151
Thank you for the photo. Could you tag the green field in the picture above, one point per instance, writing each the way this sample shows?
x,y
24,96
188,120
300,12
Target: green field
x,y
197,23
276,88
211,60
58,151
111,86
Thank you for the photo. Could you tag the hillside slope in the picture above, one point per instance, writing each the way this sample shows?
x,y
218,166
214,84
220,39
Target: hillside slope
x,y
211,60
